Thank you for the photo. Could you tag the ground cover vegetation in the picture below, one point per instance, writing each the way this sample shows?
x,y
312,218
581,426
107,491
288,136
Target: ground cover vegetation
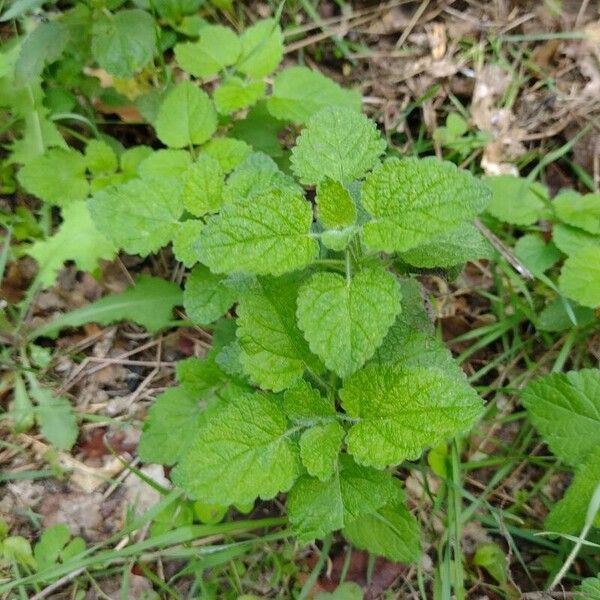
x,y
303,295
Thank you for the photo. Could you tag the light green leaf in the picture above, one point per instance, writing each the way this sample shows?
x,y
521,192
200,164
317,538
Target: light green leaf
x,y
515,200
124,42
417,349
258,173
47,551
413,317
170,427
184,241
568,515
149,302
203,186
131,158
401,411
217,48
554,316
589,589
338,143
165,163
55,416
319,449
338,239
570,239
42,46
243,454
265,234
77,239
316,508
579,211
141,216
451,248
274,353
304,404
345,321
206,296
262,49
186,117
580,277
537,255
100,158
391,532
299,92
235,93
228,152
573,400
335,207
345,591
58,176
412,200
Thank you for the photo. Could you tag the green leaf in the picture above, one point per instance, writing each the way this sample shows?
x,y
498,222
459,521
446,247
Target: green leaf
x,y
184,241
344,320
139,227
22,412
413,317
77,239
338,143
206,296
42,46
316,508
58,176
537,255
401,411
47,551
580,277
55,416
18,549
149,302
413,200
170,427
260,130
100,158
570,239
391,532
345,591
124,42
573,400
258,173
228,152
243,454
493,559
417,349
569,514
449,249
265,234
217,48
235,93
554,316
589,589
319,449
203,186
165,163
579,211
186,117
515,200
274,353
304,404
335,207
299,93
262,49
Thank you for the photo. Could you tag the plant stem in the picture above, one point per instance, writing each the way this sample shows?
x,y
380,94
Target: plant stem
x,y
310,582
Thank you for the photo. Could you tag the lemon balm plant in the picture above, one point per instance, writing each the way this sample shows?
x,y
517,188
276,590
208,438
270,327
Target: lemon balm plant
x,y
324,372
218,95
